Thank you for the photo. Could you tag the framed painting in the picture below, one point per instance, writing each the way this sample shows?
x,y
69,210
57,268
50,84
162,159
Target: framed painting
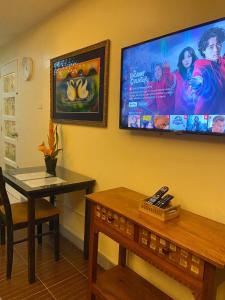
x,y
79,86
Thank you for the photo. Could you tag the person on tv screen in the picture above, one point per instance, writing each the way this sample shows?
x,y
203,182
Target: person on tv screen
x,y
208,78
133,122
218,124
184,94
177,123
196,126
159,91
161,122
146,122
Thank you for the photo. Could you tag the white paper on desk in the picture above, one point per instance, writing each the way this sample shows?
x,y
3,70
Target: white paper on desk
x,y
29,176
43,181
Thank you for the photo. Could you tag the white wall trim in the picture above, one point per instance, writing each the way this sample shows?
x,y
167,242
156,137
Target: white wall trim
x,y
103,261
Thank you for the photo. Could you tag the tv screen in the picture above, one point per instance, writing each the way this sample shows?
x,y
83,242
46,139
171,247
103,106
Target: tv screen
x,y
176,82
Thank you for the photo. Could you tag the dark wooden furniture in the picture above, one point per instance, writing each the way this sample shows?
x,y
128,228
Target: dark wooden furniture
x,y
73,182
14,217
188,248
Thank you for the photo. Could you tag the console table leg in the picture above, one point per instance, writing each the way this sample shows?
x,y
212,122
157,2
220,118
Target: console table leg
x,y
122,256
87,224
209,287
93,255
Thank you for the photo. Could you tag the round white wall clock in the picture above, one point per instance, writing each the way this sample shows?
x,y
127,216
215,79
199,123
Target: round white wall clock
x,y
27,65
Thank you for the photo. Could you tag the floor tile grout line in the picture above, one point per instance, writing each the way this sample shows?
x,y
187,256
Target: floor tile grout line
x,y
14,274
21,256
71,276
36,275
64,257
74,266
46,288
30,296
19,272
68,260
25,260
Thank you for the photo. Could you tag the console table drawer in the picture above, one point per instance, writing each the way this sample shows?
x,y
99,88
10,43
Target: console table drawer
x,y
177,256
115,221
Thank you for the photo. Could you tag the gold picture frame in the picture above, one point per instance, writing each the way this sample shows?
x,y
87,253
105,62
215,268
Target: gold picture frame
x,y
79,86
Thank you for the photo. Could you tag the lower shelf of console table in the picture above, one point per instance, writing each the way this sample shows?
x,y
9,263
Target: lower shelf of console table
x,y
122,283
189,248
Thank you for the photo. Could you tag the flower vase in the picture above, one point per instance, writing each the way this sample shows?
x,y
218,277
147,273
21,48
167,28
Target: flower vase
x,y
50,164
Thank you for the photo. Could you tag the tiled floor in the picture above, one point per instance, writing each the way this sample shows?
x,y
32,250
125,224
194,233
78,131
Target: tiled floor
x,y
65,279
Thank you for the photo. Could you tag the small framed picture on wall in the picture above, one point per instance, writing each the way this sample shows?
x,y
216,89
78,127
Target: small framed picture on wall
x,y
79,86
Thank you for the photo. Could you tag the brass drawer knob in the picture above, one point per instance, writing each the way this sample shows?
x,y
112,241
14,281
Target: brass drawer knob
x,y
166,250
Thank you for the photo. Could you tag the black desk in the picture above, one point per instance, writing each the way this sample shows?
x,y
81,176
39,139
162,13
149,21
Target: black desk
x,y
73,182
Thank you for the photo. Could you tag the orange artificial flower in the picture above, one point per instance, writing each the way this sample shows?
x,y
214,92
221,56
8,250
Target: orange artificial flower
x,y
51,138
44,149
53,150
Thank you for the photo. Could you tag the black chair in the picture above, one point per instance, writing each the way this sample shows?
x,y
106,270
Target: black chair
x,y
15,216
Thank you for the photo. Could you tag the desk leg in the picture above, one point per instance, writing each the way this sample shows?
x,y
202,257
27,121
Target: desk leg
x,y
209,286
31,240
87,224
2,232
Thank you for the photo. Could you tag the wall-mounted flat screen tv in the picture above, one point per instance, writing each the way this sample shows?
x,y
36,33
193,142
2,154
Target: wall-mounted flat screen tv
x,y
176,82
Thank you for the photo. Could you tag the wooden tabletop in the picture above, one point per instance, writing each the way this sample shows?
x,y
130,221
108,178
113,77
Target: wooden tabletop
x,y
197,234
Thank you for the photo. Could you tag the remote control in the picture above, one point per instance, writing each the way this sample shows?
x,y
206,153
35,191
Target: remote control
x,y
163,202
153,199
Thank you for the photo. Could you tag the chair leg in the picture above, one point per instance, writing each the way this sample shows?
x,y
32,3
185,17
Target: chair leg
x,y
39,232
51,226
9,253
56,238
52,201
2,232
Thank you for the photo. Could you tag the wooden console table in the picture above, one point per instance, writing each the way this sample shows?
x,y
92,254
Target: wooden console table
x,y
188,248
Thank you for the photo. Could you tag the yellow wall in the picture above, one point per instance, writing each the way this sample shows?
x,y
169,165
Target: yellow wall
x,y
192,166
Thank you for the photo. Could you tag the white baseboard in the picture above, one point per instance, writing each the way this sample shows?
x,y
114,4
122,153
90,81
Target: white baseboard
x,y
104,262
71,237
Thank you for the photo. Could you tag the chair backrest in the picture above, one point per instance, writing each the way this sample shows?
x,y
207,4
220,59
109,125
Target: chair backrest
x,y
4,200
